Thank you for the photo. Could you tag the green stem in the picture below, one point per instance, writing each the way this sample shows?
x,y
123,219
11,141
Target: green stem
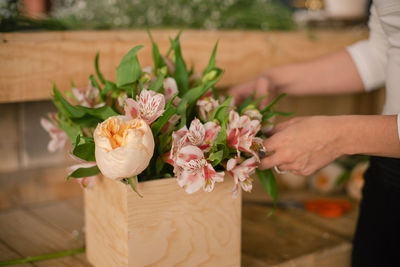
x,y
44,256
133,183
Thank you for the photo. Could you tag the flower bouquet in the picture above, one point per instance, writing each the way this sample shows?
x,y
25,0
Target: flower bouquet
x,y
155,123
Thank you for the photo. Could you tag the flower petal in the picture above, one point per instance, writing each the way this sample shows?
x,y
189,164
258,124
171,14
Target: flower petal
x,y
196,132
131,108
170,88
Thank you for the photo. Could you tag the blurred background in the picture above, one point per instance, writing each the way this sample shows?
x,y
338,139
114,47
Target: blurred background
x,y
198,14
45,41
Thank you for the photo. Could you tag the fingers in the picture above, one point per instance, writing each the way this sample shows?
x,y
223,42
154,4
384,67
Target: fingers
x,y
277,158
283,125
269,162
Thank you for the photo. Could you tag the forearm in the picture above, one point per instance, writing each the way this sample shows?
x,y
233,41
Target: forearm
x,y
332,74
370,135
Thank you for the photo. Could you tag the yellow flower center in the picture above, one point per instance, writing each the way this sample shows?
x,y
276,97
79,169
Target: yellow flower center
x,y
114,130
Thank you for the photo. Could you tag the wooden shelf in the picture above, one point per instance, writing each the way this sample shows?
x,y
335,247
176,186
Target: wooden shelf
x,y
31,62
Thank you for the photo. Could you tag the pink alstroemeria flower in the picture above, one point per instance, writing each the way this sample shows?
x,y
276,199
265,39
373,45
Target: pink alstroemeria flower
x,y
84,182
198,135
193,171
241,173
170,90
206,107
87,97
58,138
241,133
148,106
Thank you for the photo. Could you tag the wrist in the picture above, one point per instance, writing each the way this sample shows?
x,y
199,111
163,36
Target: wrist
x,y
346,134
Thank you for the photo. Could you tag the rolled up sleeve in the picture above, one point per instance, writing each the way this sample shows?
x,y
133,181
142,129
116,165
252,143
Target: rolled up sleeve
x,y
369,56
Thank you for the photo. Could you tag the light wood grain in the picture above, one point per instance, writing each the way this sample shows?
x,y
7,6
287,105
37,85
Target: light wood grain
x,y
7,254
32,236
31,62
281,238
167,227
106,224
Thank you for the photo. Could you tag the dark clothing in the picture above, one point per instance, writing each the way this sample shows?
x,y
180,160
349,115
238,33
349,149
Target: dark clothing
x,y
377,238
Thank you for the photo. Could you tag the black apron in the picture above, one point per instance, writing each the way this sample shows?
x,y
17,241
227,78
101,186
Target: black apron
x,y
377,237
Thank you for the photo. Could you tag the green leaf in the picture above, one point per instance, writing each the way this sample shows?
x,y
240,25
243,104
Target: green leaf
x,y
157,85
269,114
86,121
270,105
220,112
72,130
96,66
245,103
94,83
101,113
64,106
195,93
181,111
129,69
159,165
84,172
221,137
216,157
109,87
157,59
267,180
212,61
181,74
84,151
170,110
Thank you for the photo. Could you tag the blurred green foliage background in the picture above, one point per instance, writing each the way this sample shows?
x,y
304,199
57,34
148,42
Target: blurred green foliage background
x,y
124,14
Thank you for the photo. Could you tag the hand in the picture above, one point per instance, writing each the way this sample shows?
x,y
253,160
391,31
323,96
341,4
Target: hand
x,y
305,144
261,86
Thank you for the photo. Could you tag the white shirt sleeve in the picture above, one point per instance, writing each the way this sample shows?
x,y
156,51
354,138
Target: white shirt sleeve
x,y
370,56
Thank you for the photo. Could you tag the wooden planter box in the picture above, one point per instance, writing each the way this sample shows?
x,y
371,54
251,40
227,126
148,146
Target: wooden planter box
x,y
166,227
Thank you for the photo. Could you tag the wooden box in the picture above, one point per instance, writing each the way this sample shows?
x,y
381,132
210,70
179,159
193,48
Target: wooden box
x,y
167,227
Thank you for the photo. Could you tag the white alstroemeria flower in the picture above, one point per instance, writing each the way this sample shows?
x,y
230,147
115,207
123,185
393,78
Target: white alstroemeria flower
x,y
194,172
87,97
124,147
85,182
242,132
241,173
148,106
58,138
325,180
356,181
253,114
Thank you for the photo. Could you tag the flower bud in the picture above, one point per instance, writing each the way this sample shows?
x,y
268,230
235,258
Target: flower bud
x,y
209,76
123,147
252,112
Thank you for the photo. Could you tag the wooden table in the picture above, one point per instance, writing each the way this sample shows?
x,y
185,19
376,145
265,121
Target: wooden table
x,y
288,238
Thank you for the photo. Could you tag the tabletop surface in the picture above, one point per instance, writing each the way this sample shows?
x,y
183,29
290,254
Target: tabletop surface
x,y
287,238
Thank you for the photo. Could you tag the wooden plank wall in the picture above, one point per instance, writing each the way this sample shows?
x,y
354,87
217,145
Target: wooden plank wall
x,y
31,62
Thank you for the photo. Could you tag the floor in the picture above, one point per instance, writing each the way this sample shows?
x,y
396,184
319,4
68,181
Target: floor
x,y
288,238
